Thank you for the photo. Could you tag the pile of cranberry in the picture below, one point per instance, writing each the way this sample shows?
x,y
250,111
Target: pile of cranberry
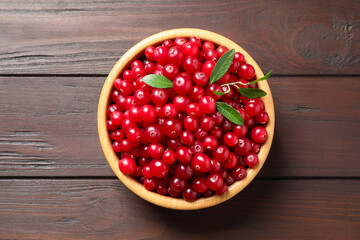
x,y
174,141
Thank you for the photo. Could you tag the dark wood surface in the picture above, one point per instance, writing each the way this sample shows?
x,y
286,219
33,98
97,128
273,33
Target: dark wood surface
x,y
54,180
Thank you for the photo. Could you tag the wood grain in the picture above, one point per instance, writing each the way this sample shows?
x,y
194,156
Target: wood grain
x,y
105,209
48,127
88,37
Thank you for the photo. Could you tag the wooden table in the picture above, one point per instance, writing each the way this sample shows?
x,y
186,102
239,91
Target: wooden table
x,y
54,180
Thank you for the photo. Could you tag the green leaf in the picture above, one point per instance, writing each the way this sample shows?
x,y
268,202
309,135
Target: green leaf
x,y
230,113
222,93
222,66
252,92
260,79
157,81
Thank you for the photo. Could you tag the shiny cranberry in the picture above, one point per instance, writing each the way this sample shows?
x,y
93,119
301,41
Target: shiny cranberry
x,y
191,123
181,102
259,134
161,55
235,64
201,163
210,142
172,128
187,137
199,185
159,96
208,193
168,44
210,91
171,71
243,147
190,49
189,194
216,132
207,104
155,150
200,134
196,41
255,147
240,131
129,102
112,108
207,123
179,41
160,189
246,71
126,124
231,162
172,193
141,97
150,184
196,93
230,139
193,109
125,87
262,118
251,159
159,168
224,79
239,57
149,68
200,79
128,75
117,118
250,121
127,165
197,147
215,166
134,134
226,125
174,143
183,171
222,190
149,53
182,85
221,153
217,117
239,172
170,110
148,113
117,135
183,154
211,55
214,181
135,114
191,64
177,184
169,157
147,171
253,108
221,50
139,72
152,134
176,56
207,45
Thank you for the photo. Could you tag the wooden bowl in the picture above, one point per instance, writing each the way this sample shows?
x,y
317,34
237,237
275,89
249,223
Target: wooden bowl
x,y
137,51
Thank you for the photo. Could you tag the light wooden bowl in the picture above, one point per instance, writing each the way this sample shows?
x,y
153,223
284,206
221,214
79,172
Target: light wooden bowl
x,y
137,51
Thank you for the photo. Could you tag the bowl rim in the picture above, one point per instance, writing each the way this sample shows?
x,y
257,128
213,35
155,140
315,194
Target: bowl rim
x,y
106,145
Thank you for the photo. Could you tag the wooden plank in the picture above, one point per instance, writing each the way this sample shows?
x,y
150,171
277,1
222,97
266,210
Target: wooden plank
x,y
87,37
104,209
48,127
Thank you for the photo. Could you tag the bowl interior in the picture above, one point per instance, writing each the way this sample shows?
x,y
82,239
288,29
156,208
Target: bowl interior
x,y
136,52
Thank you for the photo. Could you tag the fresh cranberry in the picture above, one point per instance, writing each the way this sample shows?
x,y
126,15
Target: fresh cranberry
x,y
172,128
141,97
221,50
200,134
117,135
262,118
171,71
160,189
168,44
216,132
230,139
221,153
170,110
183,154
199,185
222,190
208,193
150,184
179,41
239,172
176,56
174,143
207,45
210,142
169,157
196,93
126,124
259,134
207,123
231,162
243,146
201,163
246,71
111,109
224,79
149,53
127,165
187,137
117,118
189,194
183,171
207,104
159,168
255,147
161,55
155,150
196,41
226,125
159,96
190,49
207,68
193,109
200,79
191,64
191,123
230,180
148,113
177,184
125,87
134,134
210,91
139,72
214,181
152,134
182,85
251,159
211,55
149,68
147,171
217,117
252,108
181,102
128,75
239,57
240,130
129,102
235,64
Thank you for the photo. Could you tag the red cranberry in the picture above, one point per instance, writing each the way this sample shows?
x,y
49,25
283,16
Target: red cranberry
x,y
161,55
179,41
168,44
134,134
251,159
177,184
207,123
169,157
111,109
207,104
196,41
189,194
211,55
255,147
141,97
240,131
159,168
246,71
226,125
200,79
181,102
207,45
239,57
149,68
187,138
150,184
155,150
172,128
221,50
148,113
216,132
139,72
231,139
147,171
183,171
196,93
214,181
200,134
149,53
243,147
126,124
152,134
174,143
235,64
201,163
210,91
191,123
207,68
129,102
239,172
221,153
183,154
182,85
210,142
176,56
125,87
159,96
197,147
161,190
262,118
222,190
128,75
259,134
193,109
170,110
171,71
252,108
117,118
208,193
190,49
117,135
127,165
231,162
191,64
